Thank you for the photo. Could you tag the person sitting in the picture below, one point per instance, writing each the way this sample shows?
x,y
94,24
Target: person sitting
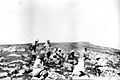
x,y
72,58
71,55
39,70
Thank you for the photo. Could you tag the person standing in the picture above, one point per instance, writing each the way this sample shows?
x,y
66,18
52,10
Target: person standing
x,y
33,49
47,45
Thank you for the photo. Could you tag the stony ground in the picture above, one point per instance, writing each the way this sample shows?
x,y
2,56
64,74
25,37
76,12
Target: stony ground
x,y
109,58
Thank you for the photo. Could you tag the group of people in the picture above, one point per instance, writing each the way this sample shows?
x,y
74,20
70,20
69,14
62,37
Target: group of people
x,y
50,62
46,62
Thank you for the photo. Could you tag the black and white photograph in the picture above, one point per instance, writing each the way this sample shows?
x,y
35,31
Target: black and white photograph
x,y
59,39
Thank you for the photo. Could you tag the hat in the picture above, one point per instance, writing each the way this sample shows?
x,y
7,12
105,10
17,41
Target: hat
x,y
37,40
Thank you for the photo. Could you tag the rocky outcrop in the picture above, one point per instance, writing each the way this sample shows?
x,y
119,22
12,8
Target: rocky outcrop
x,y
98,61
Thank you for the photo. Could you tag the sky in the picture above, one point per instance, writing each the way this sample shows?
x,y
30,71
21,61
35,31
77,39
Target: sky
x,y
94,21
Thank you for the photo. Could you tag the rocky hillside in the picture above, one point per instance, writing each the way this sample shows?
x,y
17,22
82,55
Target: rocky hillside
x,y
98,61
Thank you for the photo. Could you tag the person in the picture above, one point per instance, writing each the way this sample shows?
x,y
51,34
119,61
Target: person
x,y
85,49
73,58
33,49
71,55
39,70
79,66
37,67
47,45
49,54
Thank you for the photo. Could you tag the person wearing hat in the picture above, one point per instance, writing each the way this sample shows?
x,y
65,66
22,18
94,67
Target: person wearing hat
x,y
33,49
47,45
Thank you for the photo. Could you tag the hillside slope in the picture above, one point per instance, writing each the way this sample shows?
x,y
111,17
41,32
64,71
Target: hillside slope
x,y
109,58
